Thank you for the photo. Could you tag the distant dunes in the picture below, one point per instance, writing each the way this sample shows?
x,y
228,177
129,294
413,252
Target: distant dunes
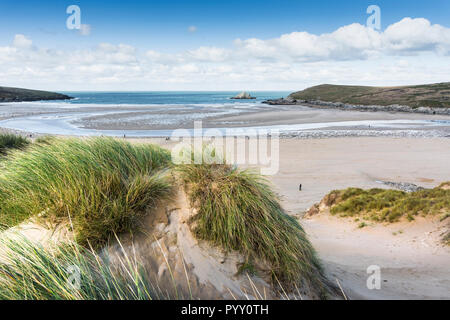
x,y
431,95
17,95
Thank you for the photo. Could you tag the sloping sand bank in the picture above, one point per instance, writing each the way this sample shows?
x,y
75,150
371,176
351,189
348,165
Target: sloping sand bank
x,y
413,262
183,266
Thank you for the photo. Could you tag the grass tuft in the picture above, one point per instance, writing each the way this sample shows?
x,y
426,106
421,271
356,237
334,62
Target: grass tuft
x,y
238,211
28,271
446,239
11,141
388,205
102,184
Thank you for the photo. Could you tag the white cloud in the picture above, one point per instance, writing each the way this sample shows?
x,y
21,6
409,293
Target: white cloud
x,y
354,41
85,29
192,29
210,54
412,35
21,41
409,51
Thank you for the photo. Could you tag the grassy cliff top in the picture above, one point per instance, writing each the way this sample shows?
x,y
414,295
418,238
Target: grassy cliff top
x,y
17,94
431,95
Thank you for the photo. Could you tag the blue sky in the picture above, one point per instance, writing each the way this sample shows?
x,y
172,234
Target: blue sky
x,y
162,24
162,27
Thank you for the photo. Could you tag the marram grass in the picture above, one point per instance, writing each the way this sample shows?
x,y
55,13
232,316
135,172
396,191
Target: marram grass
x,y
237,210
102,185
389,205
28,271
11,141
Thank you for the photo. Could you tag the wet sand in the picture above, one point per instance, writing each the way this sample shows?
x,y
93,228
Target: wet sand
x,y
82,120
262,116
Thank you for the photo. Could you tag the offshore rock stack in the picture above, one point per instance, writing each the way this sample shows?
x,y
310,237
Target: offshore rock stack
x,y
243,95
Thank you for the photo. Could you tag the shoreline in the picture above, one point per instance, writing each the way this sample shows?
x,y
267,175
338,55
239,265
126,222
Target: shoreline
x,y
301,135
351,107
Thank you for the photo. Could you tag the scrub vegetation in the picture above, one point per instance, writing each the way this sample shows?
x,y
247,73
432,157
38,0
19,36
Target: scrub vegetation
x,y
388,205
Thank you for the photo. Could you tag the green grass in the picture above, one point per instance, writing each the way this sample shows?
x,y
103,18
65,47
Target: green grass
x,y
446,239
102,185
29,271
45,140
238,211
388,205
11,141
362,225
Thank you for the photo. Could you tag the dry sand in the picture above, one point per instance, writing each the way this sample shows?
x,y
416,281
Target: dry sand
x,y
322,165
413,264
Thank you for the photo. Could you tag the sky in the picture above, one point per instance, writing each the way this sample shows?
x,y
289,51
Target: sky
x,y
222,45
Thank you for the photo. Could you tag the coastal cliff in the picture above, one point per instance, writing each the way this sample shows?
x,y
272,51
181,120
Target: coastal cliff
x,y
18,95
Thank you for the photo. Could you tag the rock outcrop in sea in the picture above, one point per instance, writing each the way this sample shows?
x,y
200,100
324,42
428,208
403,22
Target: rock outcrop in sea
x,y
243,95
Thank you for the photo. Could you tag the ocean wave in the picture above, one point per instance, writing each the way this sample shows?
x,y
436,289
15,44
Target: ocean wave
x,y
70,105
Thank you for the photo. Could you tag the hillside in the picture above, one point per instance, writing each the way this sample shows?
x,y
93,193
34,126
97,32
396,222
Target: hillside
x,y
432,95
17,95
